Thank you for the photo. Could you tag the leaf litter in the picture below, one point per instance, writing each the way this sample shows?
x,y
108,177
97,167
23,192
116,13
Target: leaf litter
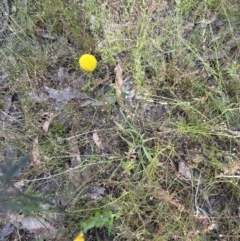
x,y
7,230
36,158
97,140
64,95
37,226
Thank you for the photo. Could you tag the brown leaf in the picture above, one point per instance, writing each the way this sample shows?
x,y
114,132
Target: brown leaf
x,y
96,192
47,124
97,140
35,153
184,170
74,151
119,83
6,230
207,21
233,42
38,226
119,80
19,184
236,133
64,95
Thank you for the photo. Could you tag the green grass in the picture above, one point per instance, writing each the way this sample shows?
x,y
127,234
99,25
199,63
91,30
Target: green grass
x,y
182,60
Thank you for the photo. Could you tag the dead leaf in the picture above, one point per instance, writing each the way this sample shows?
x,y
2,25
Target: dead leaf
x,y
119,83
64,95
205,22
107,100
231,169
75,155
19,184
118,80
38,226
35,153
35,98
236,133
96,192
97,140
233,166
184,170
6,231
47,124
119,90
61,74
233,42
212,226
45,34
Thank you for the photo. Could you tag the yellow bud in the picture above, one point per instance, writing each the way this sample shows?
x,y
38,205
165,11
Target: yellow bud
x,y
88,62
80,237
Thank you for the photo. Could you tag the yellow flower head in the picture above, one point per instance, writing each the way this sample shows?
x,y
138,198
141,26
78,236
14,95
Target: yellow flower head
x,y
80,237
88,62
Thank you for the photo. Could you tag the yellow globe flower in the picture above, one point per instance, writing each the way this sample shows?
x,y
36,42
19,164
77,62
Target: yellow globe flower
x,y
80,237
88,62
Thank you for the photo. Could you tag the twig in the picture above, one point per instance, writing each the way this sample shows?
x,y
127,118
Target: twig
x,y
61,173
228,176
